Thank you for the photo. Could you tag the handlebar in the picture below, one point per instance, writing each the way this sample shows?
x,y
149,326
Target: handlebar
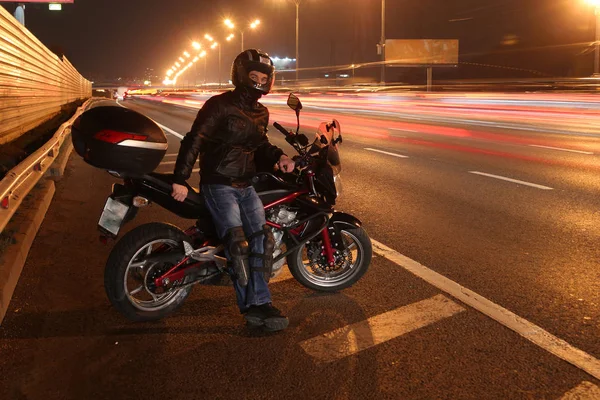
x,y
281,129
297,141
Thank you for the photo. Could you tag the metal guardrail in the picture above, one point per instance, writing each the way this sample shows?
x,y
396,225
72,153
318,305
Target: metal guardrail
x,y
34,82
21,179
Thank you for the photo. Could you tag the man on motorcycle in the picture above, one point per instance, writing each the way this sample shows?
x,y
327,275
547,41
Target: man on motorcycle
x,y
230,137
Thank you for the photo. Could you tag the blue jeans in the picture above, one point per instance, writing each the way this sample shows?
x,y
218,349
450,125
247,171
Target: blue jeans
x,y
232,207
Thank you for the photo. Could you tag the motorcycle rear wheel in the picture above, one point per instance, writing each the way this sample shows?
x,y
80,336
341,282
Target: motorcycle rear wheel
x,y
128,280
348,270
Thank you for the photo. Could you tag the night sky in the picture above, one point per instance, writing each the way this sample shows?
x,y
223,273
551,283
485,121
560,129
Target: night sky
x,y
124,37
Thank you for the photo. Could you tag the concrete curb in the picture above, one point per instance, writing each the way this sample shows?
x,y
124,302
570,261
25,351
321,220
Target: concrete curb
x,y
57,169
21,232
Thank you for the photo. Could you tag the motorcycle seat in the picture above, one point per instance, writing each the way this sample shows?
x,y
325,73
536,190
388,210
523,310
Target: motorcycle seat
x,y
165,182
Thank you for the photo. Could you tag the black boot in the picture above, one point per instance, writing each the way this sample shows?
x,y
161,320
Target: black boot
x,y
267,316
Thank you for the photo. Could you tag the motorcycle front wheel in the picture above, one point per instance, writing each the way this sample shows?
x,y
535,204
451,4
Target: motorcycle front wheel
x,y
129,277
309,267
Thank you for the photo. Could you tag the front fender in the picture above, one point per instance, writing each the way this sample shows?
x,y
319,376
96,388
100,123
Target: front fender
x,y
343,219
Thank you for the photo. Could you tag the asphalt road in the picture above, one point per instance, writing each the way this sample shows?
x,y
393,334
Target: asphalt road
x,y
509,214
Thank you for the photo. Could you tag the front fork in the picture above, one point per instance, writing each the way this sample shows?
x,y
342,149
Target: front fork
x,y
327,249
332,240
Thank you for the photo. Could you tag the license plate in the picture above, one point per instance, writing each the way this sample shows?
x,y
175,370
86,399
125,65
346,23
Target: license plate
x,y
113,215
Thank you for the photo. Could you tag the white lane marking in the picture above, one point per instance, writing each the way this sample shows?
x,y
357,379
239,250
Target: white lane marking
x,y
171,131
171,155
167,162
351,339
583,391
528,330
512,180
196,170
386,152
561,149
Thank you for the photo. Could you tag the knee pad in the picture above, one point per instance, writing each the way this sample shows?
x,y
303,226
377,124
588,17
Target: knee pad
x,y
269,241
267,255
237,246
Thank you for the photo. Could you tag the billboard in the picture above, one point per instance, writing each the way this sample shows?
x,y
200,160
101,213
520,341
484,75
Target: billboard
x,y
421,51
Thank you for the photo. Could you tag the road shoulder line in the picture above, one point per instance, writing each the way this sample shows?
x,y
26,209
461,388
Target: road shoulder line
x,y
528,330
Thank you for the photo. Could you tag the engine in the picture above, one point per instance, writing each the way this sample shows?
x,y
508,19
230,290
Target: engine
x,y
284,216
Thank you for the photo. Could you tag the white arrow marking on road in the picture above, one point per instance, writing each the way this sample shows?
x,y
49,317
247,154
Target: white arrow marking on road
x,y
359,336
584,391
528,330
561,149
385,152
504,178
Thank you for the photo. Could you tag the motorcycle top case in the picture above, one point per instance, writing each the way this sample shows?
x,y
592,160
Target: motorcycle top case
x,y
119,139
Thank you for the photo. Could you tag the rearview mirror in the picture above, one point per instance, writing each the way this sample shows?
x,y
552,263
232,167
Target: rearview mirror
x,y
294,102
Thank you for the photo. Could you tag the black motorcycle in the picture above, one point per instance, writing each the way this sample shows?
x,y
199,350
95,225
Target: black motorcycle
x,y
151,269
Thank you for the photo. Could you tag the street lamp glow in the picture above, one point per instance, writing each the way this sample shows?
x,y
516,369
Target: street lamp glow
x,y
195,59
215,44
196,45
181,59
185,53
203,54
208,37
231,36
170,72
253,25
595,3
178,65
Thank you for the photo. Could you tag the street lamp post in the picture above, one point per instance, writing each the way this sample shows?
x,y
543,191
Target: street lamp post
x,y
596,5
219,64
197,46
383,41
297,33
597,54
297,3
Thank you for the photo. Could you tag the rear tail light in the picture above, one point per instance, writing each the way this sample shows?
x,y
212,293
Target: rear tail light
x,y
114,137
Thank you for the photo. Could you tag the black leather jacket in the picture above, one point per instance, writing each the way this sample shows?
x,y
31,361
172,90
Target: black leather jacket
x,y
230,137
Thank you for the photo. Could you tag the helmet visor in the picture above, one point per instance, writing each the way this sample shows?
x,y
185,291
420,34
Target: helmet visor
x,y
259,75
